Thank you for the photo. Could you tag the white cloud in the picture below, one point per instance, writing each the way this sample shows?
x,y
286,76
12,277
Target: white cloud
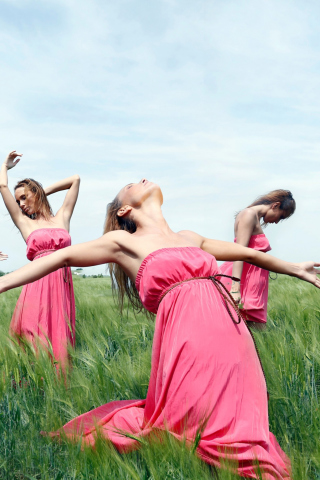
x,y
216,101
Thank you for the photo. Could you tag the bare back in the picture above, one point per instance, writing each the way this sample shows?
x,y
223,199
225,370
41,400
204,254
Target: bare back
x,y
247,219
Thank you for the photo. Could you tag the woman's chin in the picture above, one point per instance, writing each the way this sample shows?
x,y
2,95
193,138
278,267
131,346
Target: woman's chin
x,y
29,214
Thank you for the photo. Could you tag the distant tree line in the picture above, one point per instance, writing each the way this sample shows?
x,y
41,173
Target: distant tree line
x,y
93,276
78,271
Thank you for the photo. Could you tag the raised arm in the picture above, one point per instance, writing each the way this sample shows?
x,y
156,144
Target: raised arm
x,y
97,252
10,202
72,184
246,223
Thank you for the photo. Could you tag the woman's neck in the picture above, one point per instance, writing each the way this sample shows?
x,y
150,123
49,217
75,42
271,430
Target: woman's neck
x,y
260,210
151,221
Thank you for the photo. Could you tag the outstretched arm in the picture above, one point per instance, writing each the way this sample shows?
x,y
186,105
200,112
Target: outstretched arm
x,y
97,252
10,202
72,184
232,252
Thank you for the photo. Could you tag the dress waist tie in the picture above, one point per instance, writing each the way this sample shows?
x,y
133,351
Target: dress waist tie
x,y
229,302
42,252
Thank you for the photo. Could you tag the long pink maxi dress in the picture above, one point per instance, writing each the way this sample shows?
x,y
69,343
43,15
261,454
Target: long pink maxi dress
x,y
45,311
205,373
254,282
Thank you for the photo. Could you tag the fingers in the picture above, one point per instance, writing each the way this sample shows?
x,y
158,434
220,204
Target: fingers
x,y
15,154
13,159
317,282
236,298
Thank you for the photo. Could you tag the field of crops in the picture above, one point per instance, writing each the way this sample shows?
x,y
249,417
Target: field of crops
x,y
112,361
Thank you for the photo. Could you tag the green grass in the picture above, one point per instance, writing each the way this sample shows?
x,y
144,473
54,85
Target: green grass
x,y
112,361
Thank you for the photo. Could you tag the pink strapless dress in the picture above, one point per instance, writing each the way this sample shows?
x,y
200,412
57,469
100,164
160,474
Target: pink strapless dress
x,y
205,374
254,282
45,311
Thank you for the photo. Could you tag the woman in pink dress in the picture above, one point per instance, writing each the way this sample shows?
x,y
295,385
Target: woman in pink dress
x,y
45,311
207,386
252,291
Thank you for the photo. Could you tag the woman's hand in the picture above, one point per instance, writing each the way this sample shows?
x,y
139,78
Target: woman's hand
x,y
3,256
309,273
236,297
12,159
235,291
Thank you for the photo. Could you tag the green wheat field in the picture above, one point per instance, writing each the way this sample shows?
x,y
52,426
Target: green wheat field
x,y
112,361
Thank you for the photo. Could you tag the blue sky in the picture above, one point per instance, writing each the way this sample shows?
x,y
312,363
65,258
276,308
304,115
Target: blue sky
x,y
217,101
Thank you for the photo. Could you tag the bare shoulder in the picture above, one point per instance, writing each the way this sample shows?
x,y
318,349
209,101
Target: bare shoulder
x,y
192,237
117,236
120,239
247,216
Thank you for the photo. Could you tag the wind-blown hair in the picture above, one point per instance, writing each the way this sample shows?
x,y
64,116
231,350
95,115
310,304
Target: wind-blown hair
x,y
42,206
284,197
121,283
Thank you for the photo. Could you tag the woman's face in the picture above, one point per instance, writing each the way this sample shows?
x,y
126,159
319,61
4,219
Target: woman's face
x,y
274,214
134,194
26,200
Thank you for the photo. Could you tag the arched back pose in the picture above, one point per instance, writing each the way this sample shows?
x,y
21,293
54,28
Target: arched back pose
x,y
252,290
205,373
45,309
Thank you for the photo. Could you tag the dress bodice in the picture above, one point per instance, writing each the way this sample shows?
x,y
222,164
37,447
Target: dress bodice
x,y
259,242
166,267
46,239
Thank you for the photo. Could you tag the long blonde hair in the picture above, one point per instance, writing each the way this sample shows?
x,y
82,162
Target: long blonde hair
x,y
42,206
121,283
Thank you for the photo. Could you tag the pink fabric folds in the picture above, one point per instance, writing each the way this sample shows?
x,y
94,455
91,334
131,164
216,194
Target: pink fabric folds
x,y
254,282
45,311
205,374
